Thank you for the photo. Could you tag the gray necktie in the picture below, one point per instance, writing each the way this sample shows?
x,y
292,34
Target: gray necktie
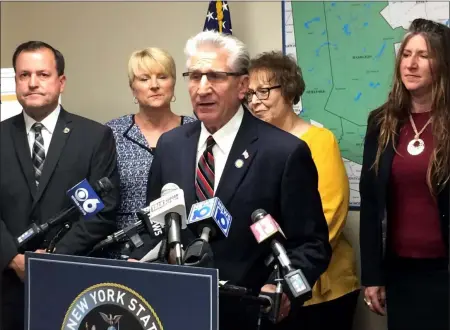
x,y
38,151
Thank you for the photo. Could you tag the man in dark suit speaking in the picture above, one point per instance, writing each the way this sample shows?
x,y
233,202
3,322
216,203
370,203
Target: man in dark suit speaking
x,y
45,151
248,164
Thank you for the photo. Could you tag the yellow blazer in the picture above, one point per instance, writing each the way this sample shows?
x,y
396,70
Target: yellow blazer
x,y
340,278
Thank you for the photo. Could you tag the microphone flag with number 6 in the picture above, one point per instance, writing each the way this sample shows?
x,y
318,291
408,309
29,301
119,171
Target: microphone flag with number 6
x,y
85,199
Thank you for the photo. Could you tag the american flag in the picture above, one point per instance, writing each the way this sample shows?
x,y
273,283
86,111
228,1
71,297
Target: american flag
x,y
218,17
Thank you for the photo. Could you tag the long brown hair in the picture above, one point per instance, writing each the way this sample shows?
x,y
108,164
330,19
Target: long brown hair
x,y
392,114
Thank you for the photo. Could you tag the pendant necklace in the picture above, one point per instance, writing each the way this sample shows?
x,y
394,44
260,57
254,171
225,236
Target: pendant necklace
x,y
416,145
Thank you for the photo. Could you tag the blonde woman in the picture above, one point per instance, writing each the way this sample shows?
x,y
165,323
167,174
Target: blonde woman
x,y
152,77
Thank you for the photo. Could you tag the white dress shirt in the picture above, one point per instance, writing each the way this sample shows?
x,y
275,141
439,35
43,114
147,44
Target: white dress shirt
x,y
49,124
224,138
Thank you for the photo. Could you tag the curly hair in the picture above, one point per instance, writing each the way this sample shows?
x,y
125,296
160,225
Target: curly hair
x,y
281,70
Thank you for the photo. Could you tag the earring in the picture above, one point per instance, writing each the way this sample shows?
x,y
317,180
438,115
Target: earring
x,y
135,101
174,98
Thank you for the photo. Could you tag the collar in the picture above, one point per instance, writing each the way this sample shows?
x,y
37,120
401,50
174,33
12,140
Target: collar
x,y
225,136
49,122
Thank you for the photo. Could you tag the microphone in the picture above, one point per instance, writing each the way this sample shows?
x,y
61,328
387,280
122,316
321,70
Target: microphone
x,y
171,200
146,222
211,219
170,212
265,228
85,200
131,232
208,216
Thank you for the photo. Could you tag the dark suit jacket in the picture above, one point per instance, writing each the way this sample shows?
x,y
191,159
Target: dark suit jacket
x,y
279,176
373,218
86,151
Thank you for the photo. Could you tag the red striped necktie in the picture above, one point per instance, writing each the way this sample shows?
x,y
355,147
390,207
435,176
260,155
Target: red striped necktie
x,y
204,183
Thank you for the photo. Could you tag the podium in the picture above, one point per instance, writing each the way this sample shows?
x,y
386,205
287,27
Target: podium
x,y
71,293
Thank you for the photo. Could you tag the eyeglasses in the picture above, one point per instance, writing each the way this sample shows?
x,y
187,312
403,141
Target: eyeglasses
x,y
261,93
212,76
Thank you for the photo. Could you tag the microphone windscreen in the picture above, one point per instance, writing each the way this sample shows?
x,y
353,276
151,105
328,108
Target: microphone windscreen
x,y
258,215
168,188
103,186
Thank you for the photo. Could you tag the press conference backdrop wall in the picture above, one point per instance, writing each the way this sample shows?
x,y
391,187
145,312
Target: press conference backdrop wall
x,y
347,52
9,104
97,39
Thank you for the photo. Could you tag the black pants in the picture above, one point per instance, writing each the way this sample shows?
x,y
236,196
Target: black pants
x,y
417,294
12,302
337,313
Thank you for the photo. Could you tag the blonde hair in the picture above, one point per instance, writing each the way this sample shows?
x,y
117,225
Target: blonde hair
x,y
149,60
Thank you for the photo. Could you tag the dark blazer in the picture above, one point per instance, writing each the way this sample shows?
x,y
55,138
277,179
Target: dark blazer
x,y
373,217
80,148
279,176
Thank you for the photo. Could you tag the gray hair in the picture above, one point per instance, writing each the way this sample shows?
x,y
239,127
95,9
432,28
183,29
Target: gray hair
x,y
239,58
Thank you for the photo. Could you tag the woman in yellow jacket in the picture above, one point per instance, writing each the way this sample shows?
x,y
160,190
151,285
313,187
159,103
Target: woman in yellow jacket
x,y
276,84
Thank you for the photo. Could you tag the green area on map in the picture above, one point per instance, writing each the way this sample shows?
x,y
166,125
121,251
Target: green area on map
x,y
346,53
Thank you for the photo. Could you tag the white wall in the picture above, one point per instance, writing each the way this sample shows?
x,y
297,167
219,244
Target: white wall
x,y
97,38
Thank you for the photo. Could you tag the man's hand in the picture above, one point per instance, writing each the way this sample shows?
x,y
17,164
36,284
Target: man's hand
x,y
133,260
375,299
40,251
285,305
18,265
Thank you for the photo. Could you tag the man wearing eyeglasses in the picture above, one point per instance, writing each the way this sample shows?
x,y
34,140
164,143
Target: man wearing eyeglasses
x,y
248,164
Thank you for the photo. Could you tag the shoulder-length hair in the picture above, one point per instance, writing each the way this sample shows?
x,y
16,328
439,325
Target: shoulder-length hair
x,y
392,114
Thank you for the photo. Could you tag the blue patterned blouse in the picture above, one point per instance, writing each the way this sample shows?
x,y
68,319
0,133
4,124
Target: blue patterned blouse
x,y
134,158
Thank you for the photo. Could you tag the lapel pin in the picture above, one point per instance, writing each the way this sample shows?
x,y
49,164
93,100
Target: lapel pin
x,y
66,130
245,154
239,163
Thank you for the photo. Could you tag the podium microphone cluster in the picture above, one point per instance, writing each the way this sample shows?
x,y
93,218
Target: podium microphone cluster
x,y
152,220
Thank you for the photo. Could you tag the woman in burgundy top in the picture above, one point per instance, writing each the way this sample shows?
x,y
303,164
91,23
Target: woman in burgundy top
x,y
404,230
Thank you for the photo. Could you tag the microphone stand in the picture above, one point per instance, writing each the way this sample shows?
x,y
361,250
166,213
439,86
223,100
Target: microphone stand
x,y
245,294
57,237
199,254
124,254
131,235
275,297
278,294
163,253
